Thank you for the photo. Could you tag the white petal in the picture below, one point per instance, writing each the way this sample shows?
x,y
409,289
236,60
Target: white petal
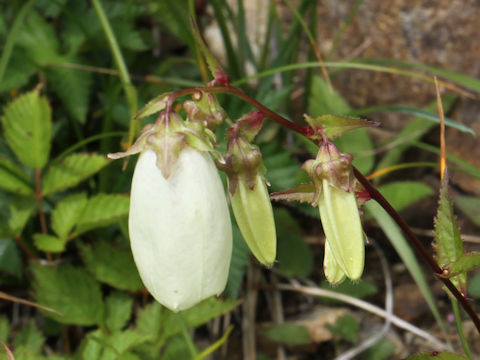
x,y
180,229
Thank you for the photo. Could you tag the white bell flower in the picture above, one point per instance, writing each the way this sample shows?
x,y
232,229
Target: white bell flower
x,y
180,229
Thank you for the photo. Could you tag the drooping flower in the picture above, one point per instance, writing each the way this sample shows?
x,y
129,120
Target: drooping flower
x,y
331,173
179,223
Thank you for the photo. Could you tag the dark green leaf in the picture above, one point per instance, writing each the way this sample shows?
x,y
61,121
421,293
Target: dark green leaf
x,y
359,144
448,244
380,351
470,206
118,310
71,170
324,100
176,348
294,256
71,291
195,316
240,256
435,355
20,211
282,168
31,338
473,285
335,125
346,327
13,179
288,334
4,327
359,289
72,87
102,210
67,213
49,243
10,260
111,265
27,127
149,320
401,194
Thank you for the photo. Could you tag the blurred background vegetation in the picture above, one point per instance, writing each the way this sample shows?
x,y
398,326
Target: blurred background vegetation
x,y
74,73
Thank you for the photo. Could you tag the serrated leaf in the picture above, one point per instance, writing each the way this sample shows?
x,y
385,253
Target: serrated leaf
x,y
20,211
13,179
71,291
302,193
49,243
149,320
27,127
30,337
435,355
401,194
198,315
335,125
66,214
118,310
465,263
72,170
153,106
111,265
448,244
38,39
19,70
288,334
282,168
10,260
294,256
72,87
102,210
238,264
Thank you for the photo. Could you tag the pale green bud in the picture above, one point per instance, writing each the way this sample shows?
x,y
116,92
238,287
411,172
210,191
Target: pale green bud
x,y
180,230
253,211
343,230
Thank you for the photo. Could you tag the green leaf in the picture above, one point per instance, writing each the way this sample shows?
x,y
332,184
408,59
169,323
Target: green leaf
x,y
238,264
111,265
346,327
380,351
72,87
294,256
435,355
359,144
102,210
118,310
39,40
13,179
288,334
27,127
324,100
359,289
335,125
470,206
398,241
282,168
72,170
448,244
176,348
67,212
20,211
10,260
71,291
465,263
153,106
4,327
198,315
149,320
401,194
49,243
31,338
412,131
473,285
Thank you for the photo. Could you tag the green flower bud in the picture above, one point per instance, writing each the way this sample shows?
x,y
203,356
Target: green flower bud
x,y
253,211
333,272
343,230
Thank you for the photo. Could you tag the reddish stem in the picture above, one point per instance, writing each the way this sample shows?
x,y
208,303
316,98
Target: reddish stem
x,y
438,271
